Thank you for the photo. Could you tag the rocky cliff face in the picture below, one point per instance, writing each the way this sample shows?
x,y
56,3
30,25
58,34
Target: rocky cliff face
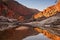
x,y
13,9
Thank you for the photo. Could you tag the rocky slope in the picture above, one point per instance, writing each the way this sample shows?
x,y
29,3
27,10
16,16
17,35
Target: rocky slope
x,y
13,9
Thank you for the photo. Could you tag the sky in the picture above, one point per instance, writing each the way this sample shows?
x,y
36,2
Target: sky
x,y
37,4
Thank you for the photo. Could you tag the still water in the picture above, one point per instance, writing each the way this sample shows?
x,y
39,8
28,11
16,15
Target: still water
x,y
37,37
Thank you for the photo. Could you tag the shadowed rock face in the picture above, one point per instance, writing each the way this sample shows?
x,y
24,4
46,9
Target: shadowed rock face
x,y
15,9
12,9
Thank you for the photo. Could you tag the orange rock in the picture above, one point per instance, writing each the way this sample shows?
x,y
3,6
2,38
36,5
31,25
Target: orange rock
x,y
58,6
21,18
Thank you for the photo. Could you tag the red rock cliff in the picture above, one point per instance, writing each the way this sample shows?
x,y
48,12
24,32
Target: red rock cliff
x,y
13,9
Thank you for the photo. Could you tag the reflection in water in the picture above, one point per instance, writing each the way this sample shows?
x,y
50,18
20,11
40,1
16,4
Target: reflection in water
x,y
37,37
